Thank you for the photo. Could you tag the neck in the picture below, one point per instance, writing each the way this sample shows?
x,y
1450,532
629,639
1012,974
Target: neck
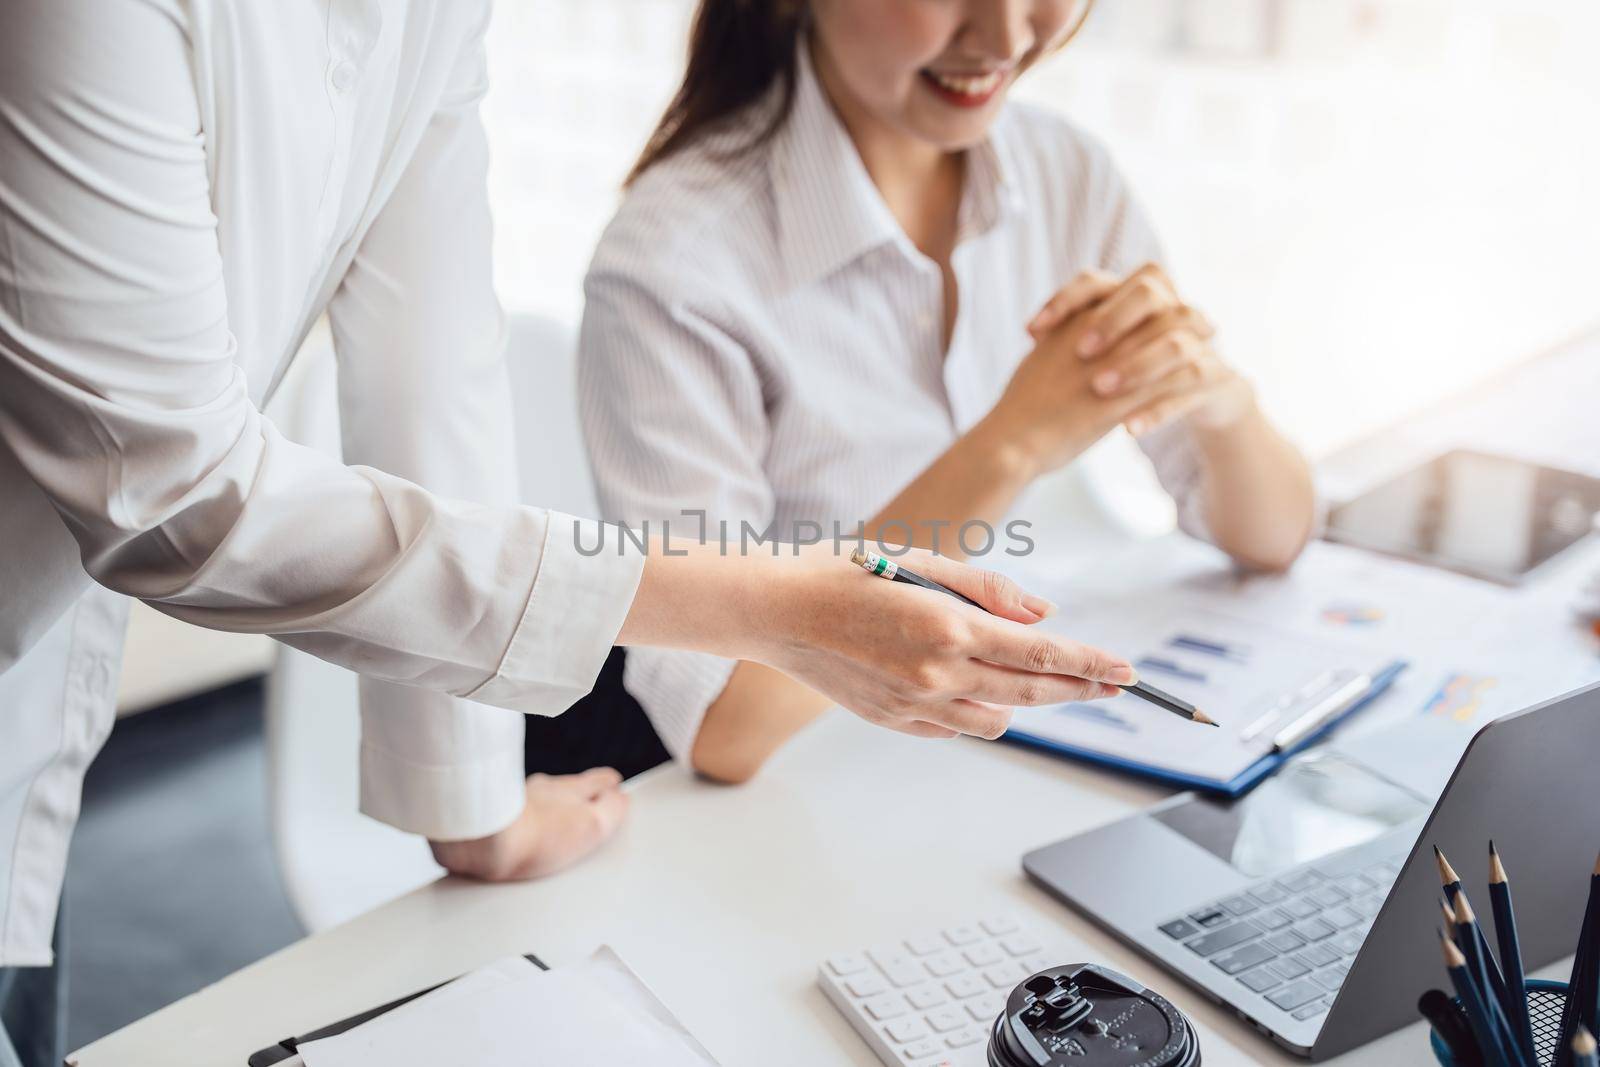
x,y
920,182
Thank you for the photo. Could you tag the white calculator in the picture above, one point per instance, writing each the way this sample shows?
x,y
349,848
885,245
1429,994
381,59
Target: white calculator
x,y
932,998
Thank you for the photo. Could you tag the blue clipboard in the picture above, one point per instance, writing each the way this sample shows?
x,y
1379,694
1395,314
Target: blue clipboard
x,y
1239,784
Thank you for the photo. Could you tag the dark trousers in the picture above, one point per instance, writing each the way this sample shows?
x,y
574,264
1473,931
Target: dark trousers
x,y
607,728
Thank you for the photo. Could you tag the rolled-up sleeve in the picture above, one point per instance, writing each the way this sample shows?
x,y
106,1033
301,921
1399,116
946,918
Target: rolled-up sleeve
x,y
674,420
123,400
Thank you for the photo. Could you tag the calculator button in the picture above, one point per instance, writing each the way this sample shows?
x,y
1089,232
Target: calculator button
x,y
946,1019
888,1006
963,1038
992,1004
1298,883
866,985
962,935
926,1046
1330,979
983,955
1000,977
1020,944
925,944
943,965
1210,917
847,963
908,1029
927,996
1314,930
964,985
904,974
888,956
1179,928
1000,925
1343,918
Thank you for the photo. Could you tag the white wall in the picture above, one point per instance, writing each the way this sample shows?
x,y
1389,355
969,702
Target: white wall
x,y
1378,200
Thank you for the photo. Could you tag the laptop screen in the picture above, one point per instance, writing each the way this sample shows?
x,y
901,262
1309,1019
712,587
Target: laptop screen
x,y
1318,804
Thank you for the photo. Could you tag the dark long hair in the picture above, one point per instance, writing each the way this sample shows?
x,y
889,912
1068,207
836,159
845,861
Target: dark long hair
x,y
738,50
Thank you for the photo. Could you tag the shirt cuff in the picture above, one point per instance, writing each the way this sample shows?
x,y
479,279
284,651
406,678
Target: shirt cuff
x,y
439,766
587,578
675,689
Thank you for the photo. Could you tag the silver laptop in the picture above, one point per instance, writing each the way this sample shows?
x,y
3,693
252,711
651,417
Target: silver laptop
x,y
1308,907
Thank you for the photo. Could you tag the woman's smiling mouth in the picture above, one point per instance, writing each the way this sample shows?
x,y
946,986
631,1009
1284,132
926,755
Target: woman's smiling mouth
x,y
965,90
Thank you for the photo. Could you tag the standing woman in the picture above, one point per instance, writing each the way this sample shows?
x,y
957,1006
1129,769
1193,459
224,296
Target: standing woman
x,y
185,187
820,302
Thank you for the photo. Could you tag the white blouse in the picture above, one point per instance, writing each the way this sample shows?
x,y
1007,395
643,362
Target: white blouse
x,y
185,186
762,340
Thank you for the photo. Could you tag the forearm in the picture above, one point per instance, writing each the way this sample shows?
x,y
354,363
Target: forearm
x,y
1259,500
755,714
976,479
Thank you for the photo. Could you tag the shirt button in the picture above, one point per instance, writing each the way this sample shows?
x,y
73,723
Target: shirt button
x,y
344,76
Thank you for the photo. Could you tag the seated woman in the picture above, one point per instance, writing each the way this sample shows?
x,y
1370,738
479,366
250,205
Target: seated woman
x,y
814,306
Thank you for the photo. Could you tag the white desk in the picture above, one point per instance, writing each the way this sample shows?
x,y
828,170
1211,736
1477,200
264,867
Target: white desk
x,y
725,901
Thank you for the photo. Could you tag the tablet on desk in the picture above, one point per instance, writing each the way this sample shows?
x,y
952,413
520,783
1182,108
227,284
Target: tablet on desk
x,y
1492,517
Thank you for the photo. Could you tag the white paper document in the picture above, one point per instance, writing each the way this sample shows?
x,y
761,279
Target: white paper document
x,y
1239,646
513,1013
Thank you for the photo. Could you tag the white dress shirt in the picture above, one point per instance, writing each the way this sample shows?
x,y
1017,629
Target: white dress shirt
x,y
763,341
185,186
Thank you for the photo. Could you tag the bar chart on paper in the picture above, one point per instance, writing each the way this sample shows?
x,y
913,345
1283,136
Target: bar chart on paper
x,y
1265,686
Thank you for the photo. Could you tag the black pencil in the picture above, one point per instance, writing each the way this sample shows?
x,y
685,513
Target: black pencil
x,y
1580,1006
1469,938
1505,930
1489,1046
1181,708
884,567
1452,888
1585,1053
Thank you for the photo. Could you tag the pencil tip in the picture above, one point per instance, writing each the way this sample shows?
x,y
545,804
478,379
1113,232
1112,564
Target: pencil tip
x,y
1452,955
1446,872
1583,1042
1202,718
1497,870
1464,914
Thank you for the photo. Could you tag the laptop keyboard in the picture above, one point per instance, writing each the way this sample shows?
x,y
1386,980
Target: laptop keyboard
x,y
1291,939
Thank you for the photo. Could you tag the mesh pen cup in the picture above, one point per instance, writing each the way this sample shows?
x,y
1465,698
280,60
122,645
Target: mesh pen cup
x,y
1545,1003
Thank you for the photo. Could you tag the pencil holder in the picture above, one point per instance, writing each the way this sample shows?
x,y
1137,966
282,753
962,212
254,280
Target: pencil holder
x,y
1545,1003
